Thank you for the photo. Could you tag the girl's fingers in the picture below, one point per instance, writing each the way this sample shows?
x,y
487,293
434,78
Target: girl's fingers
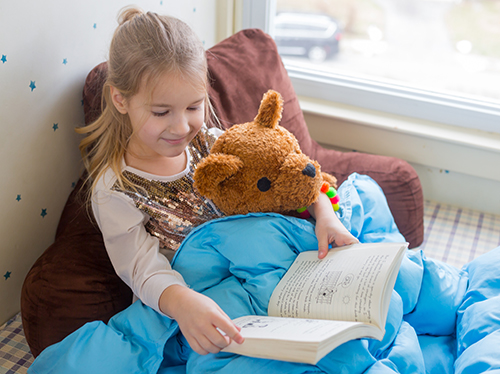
x,y
322,244
208,345
230,329
195,346
203,344
217,339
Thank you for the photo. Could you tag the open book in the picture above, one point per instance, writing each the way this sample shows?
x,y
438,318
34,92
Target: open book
x,y
320,304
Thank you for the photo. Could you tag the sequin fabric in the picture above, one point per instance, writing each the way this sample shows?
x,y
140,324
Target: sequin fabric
x,y
174,208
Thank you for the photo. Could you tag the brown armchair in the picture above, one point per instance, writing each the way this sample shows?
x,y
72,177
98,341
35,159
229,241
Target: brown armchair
x,y
73,282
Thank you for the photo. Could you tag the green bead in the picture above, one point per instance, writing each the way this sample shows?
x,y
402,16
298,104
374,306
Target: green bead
x,y
331,192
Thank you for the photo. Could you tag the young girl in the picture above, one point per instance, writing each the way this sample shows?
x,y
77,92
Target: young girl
x,y
141,154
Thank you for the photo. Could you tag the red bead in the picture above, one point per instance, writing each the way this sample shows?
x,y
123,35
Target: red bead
x,y
325,187
305,214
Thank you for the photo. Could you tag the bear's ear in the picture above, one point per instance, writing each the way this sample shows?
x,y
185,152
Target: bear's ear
x,y
270,110
213,170
330,179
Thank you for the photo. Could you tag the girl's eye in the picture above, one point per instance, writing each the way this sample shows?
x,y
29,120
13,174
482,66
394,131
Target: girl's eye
x,y
160,114
193,108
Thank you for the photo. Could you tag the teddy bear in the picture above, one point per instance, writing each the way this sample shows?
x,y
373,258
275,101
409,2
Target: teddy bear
x,y
258,167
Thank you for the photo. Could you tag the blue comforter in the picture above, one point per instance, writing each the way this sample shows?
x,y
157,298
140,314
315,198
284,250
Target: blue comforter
x,y
441,319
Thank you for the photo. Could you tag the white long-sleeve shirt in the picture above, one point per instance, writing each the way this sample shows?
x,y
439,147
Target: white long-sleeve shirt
x,y
139,227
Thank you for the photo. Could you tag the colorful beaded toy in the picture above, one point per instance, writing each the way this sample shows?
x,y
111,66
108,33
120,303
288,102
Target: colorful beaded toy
x,y
332,195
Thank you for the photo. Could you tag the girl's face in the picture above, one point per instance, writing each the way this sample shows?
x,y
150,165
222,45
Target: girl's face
x,y
165,122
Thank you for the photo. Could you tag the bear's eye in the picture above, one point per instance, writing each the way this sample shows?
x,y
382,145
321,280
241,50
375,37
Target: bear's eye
x,y
263,184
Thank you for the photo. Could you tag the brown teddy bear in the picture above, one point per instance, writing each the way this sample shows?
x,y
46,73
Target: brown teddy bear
x,y
258,167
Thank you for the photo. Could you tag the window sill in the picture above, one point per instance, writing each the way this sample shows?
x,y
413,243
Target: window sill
x,y
424,142
399,100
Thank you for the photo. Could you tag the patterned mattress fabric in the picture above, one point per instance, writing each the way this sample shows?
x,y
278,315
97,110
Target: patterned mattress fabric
x,y
15,355
457,235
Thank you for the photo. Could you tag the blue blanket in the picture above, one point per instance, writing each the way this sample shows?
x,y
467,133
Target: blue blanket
x,y
441,319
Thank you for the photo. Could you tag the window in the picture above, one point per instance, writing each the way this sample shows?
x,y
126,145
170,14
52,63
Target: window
x,y
437,60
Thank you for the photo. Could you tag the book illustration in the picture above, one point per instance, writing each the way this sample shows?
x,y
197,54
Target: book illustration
x,y
256,323
347,281
328,286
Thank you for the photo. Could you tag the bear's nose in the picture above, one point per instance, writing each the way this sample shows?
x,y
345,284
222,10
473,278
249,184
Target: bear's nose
x,y
263,184
309,170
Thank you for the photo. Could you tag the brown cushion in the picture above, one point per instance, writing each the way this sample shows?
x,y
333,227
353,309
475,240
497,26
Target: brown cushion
x,y
73,282
92,92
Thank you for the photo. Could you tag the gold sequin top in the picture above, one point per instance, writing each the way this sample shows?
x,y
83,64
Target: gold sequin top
x,y
174,207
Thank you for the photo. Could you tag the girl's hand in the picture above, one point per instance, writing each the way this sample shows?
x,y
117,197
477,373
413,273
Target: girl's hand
x,y
332,232
199,319
329,229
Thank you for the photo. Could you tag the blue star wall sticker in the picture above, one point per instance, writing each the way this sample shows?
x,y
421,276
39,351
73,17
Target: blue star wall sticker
x,y
7,275
65,61
18,198
32,85
4,59
56,126
44,213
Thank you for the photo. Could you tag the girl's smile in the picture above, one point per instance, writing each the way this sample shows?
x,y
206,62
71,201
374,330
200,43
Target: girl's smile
x,y
174,141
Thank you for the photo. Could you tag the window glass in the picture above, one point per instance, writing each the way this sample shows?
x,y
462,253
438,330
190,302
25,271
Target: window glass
x,y
447,46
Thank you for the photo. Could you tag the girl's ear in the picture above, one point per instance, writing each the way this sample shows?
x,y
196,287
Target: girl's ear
x,y
118,100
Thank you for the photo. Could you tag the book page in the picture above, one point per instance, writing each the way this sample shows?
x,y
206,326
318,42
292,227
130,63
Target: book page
x,y
292,329
295,339
346,285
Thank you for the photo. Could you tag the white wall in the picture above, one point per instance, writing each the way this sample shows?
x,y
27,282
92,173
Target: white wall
x,y
53,44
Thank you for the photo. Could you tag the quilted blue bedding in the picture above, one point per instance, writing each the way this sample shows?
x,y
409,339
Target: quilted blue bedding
x,y
441,319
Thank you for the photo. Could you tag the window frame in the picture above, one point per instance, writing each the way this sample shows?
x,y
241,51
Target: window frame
x,y
374,95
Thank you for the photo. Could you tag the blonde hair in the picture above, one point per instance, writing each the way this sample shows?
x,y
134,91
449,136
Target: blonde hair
x,y
144,46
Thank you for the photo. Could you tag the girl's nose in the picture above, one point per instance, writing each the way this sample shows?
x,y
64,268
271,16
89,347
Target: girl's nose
x,y
180,126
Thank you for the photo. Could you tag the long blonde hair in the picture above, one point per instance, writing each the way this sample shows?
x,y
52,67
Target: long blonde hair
x,y
144,46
